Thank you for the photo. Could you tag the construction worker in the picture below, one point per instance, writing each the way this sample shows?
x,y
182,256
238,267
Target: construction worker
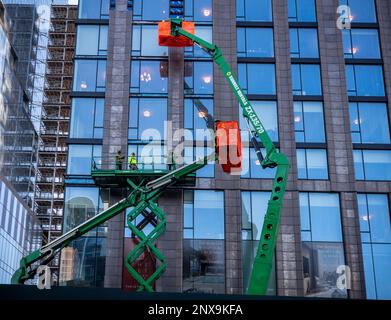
x,y
119,158
132,161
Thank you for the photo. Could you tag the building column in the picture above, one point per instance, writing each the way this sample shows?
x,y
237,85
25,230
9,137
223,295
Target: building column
x,y
115,135
226,107
170,242
339,142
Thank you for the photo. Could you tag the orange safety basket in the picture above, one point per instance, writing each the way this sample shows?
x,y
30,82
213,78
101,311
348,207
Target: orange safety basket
x,y
229,146
168,40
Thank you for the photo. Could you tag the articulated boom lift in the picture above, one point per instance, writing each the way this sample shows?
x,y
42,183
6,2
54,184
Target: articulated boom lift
x,y
146,189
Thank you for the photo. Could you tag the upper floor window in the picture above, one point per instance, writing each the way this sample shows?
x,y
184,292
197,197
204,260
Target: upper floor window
x,y
148,77
257,78
254,10
144,41
364,80
312,164
306,79
151,10
89,75
194,116
361,43
255,42
304,43
80,158
365,127
205,33
198,77
199,152
146,119
91,40
372,164
361,10
87,118
198,10
301,10
94,9
309,121
374,215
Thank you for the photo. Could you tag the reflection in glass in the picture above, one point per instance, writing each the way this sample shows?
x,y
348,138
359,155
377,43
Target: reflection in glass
x,y
309,121
364,80
255,42
257,78
304,43
254,10
301,10
320,263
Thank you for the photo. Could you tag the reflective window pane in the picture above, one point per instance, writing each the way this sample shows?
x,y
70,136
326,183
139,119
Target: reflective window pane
x,y
312,164
306,79
254,10
151,10
361,44
361,10
369,129
87,118
375,164
147,77
257,78
364,80
304,43
144,41
198,10
199,78
255,42
301,10
309,121
93,9
80,158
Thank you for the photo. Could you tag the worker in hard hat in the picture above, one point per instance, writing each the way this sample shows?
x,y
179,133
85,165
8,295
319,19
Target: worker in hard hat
x,y
132,161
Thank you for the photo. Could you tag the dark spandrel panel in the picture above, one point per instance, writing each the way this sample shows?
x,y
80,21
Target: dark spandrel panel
x,y
320,264
203,266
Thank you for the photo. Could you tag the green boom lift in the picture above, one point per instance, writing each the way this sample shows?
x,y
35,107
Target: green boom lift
x,y
150,185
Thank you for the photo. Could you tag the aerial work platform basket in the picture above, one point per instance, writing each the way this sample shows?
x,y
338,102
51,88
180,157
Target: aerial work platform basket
x,y
166,38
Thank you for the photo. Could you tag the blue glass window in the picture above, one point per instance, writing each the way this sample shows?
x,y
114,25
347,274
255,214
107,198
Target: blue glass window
x,y
257,78
301,10
364,80
89,75
304,43
254,10
147,118
148,77
151,10
267,113
306,79
80,158
309,121
194,113
312,164
251,167
150,156
87,118
144,41
205,33
322,247
198,77
375,229
361,10
361,43
198,10
321,213
372,164
91,40
94,9
365,127
202,206
255,42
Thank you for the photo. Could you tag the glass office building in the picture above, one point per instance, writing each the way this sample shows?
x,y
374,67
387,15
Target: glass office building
x,y
323,95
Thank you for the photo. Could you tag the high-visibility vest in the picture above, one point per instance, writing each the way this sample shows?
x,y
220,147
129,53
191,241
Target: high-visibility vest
x,y
132,160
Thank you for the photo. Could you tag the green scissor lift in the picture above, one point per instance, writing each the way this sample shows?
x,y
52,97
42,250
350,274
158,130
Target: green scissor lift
x,y
146,186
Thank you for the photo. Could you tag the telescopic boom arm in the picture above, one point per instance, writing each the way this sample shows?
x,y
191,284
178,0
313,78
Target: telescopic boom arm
x,y
264,258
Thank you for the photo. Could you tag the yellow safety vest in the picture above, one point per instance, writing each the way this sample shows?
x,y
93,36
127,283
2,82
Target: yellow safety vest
x,y
132,160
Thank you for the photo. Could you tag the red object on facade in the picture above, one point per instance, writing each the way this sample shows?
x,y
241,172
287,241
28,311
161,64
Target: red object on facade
x,y
229,145
168,40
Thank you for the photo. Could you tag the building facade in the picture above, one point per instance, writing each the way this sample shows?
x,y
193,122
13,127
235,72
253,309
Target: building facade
x,y
19,231
322,91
